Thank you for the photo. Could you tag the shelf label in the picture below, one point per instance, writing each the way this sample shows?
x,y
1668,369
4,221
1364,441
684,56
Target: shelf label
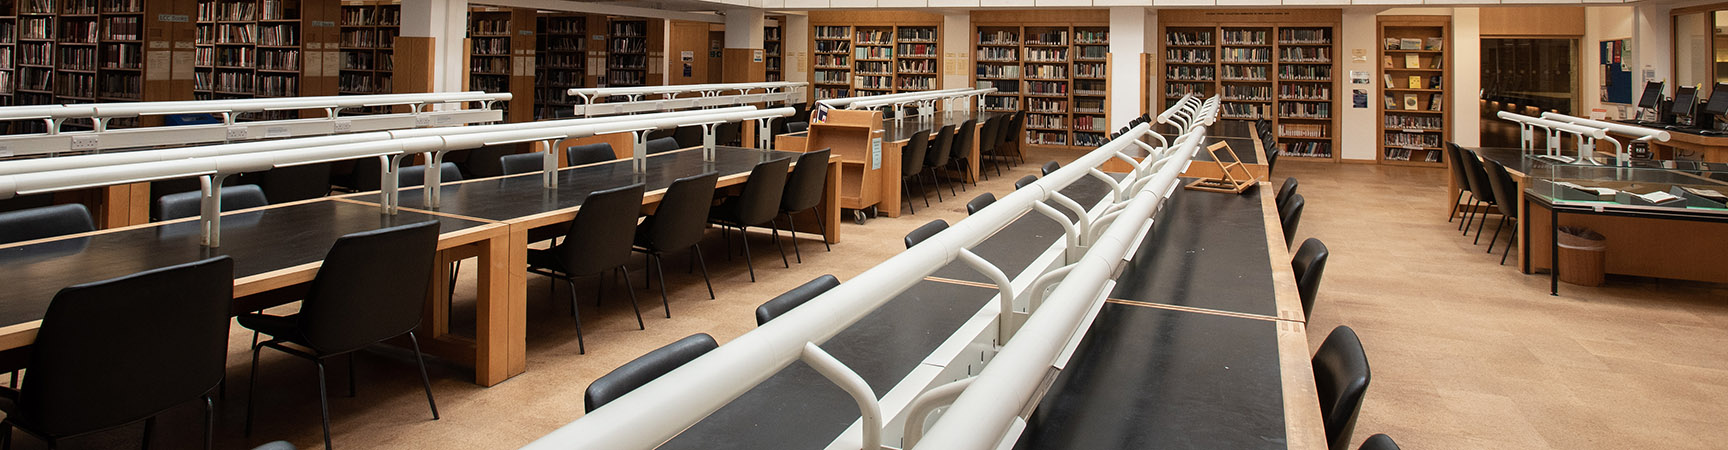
x,y
176,18
444,120
1412,130
1407,147
344,125
237,132
86,142
5,150
279,131
324,23
422,120
875,153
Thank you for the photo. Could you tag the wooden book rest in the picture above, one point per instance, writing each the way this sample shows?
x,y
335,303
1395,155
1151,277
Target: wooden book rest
x,y
1229,182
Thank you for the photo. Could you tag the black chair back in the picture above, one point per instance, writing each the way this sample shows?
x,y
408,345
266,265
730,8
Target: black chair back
x,y
1309,263
296,183
763,191
1049,167
600,236
683,212
728,133
963,140
1019,123
1341,378
979,202
791,299
1004,131
44,222
941,148
688,136
522,163
1290,215
187,204
416,175
1476,176
663,145
988,137
917,148
117,351
645,369
797,127
1284,191
1025,181
370,288
1379,442
925,231
804,187
589,154
1500,182
1455,152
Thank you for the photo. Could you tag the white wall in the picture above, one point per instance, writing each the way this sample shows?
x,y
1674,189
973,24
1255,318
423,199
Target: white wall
x,y
795,49
1129,27
1601,23
446,22
1358,131
957,38
1466,76
744,29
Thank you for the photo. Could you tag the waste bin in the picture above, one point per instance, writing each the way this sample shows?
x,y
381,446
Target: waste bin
x,y
1582,256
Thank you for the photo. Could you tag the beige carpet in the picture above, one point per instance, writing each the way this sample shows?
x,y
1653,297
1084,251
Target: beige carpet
x,y
1465,353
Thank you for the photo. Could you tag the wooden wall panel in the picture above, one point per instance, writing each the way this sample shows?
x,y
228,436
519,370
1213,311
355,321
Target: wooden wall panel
x,y
1533,21
687,37
412,71
740,66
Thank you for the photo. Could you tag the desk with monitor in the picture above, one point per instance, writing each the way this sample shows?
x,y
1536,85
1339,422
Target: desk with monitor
x,y
1699,129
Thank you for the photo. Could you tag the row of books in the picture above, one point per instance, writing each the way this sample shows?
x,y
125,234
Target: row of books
x,y
1305,91
1191,73
830,32
1046,105
874,67
1312,149
833,46
1090,123
1404,154
1004,54
1188,38
1304,110
1246,55
629,28
1246,92
1305,36
917,66
1311,130
361,16
916,83
1050,37
1424,122
1046,121
1402,139
1056,54
1305,72
873,53
872,36
1089,70
364,83
1305,54
1188,55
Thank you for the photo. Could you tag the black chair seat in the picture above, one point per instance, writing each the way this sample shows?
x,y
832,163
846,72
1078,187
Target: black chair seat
x,y
285,328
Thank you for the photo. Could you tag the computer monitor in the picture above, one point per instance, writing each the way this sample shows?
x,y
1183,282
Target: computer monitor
x,y
1652,94
1718,104
1685,98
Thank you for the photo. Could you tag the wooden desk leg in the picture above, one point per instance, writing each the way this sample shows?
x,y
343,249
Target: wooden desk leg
x,y
972,157
501,347
830,208
891,195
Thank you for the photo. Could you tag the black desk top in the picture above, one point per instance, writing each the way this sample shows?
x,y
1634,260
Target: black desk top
x,y
521,195
1652,171
799,408
1155,378
893,131
1207,251
259,241
1015,246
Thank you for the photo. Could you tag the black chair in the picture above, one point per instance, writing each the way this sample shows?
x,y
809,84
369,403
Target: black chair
x,y
1290,216
114,352
1341,378
370,288
589,154
728,133
522,163
987,144
804,190
791,299
598,239
645,369
942,149
1012,134
960,158
678,223
1504,187
1309,264
925,231
44,222
1284,191
189,204
687,136
797,127
1457,168
295,183
1049,167
758,205
1379,442
1025,181
979,202
912,165
663,145
1005,134
416,175
1477,177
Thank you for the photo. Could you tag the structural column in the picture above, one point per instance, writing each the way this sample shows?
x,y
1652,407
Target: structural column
x,y
1131,27
744,60
429,52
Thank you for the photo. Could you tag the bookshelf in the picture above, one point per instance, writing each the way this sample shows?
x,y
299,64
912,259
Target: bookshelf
x,y
1052,65
8,50
501,45
367,48
873,60
857,53
917,59
562,57
1280,66
831,68
258,49
771,49
627,52
1414,58
35,49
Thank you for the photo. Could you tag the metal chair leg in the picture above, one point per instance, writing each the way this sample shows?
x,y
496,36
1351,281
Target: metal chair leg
x,y
923,191
209,422
633,305
149,430
1479,225
323,401
425,381
793,228
663,301
824,228
1491,240
1471,218
1509,240
774,227
747,261
1454,212
574,314
906,192
252,389
702,262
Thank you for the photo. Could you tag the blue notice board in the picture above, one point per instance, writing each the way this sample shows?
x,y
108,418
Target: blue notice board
x,y
1616,76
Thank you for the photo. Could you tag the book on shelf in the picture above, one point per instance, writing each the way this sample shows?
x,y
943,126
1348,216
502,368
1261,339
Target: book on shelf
x,y
1387,61
1412,61
1388,80
1410,102
1390,103
1434,102
1409,44
1415,82
1432,44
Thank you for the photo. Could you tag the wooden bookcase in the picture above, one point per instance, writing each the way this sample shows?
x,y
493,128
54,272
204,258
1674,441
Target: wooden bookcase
x,y
874,53
562,58
1414,58
368,43
1280,66
1054,65
772,51
85,51
627,48
501,45
266,48
8,50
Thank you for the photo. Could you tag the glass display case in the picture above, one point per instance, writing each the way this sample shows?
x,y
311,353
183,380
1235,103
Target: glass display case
x,y
1657,187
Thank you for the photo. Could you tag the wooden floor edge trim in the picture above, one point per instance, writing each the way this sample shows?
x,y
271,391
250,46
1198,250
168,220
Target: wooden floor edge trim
x,y
1195,310
961,282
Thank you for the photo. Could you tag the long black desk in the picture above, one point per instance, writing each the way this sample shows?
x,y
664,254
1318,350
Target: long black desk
x,y
1190,350
901,130
798,408
1017,245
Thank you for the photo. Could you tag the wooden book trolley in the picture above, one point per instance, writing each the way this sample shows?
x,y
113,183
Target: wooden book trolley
x,y
1228,182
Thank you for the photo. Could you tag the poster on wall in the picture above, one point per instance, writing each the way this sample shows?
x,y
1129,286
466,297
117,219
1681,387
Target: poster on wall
x,y
1359,98
1616,75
